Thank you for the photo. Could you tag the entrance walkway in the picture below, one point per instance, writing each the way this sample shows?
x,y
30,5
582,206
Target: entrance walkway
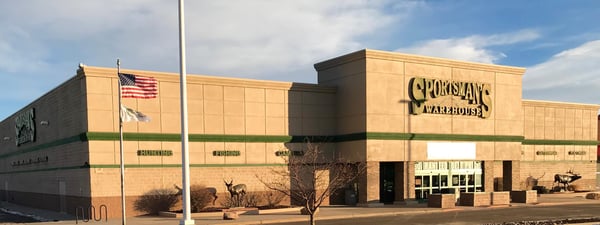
x,y
329,212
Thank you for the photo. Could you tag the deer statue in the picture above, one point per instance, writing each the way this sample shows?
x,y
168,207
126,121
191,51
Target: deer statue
x,y
566,179
238,191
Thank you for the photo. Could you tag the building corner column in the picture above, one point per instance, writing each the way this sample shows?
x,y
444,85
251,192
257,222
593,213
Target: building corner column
x,y
516,175
488,176
410,181
400,182
368,182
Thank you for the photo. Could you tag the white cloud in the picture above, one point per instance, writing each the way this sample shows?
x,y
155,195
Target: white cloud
x,y
472,48
235,38
270,39
571,75
42,42
566,74
19,51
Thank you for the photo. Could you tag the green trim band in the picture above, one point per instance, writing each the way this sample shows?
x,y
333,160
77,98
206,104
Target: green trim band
x,y
559,142
179,165
44,170
110,136
59,142
105,136
426,137
559,161
134,166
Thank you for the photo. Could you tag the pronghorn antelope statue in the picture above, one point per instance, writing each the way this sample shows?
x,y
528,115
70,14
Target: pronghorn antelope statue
x,y
566,179
238,190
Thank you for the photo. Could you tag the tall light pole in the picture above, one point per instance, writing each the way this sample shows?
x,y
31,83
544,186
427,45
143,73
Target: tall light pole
x,y
185,162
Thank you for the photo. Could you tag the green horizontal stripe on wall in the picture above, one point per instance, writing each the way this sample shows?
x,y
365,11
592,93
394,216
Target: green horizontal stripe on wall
x,y
583,161
23,149
559,142
43,169
466,137
296,139
134,166
111,136
179,165
337,138
426,137
107,136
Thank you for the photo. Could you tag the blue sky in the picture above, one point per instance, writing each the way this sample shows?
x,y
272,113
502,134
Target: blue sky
x,y
42,42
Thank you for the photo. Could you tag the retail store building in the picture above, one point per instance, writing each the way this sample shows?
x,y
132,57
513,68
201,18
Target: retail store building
x,y
422,125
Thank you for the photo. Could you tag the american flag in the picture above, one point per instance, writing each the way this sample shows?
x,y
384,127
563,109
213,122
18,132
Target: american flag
x,y
133,86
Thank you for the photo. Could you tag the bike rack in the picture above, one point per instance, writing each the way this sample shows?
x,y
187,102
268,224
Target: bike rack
x,y
91,214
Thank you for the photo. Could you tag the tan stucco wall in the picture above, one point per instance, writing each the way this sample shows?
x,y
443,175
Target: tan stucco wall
x,y
572,124
63,108
47,172
373,96
226,107
216,105
560,120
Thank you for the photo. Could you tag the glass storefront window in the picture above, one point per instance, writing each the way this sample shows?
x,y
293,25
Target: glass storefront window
x,y
466,176
444,180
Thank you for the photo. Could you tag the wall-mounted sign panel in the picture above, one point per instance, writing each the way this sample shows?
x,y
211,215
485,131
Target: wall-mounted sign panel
x,y
451,150
154,152
25,127
227,153
475,98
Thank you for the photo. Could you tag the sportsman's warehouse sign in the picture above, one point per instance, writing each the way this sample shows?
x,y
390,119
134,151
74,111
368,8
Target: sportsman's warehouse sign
x,y
475,98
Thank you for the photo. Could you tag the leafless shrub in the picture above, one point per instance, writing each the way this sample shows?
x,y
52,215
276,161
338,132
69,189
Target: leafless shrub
x,y
200,197
157,200
273,198
228,202
252,200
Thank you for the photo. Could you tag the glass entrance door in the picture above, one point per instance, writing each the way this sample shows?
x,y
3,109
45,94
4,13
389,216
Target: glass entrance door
x,y
386,182
447,177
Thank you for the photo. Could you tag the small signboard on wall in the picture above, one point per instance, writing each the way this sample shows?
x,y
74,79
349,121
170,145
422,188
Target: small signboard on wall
x,y
451,150
25,127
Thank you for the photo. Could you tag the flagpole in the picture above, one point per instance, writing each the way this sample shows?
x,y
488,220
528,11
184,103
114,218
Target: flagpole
x,y
185,162
123,216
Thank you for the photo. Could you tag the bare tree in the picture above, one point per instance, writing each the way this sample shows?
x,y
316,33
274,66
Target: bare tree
x,y
312,176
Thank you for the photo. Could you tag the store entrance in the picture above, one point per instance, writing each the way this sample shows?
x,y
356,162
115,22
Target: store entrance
x,y
447,177
386,182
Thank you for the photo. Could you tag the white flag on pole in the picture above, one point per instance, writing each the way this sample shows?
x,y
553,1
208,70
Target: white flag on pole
x,y
130,115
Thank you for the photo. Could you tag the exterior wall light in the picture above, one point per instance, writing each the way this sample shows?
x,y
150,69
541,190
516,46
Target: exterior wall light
x,y
6,138
44,122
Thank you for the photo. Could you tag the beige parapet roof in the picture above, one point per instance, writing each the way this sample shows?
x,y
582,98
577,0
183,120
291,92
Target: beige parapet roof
x,y
395,56
543,103
92,71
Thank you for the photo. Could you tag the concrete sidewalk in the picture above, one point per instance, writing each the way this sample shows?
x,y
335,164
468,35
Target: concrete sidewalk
x,y
328,212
